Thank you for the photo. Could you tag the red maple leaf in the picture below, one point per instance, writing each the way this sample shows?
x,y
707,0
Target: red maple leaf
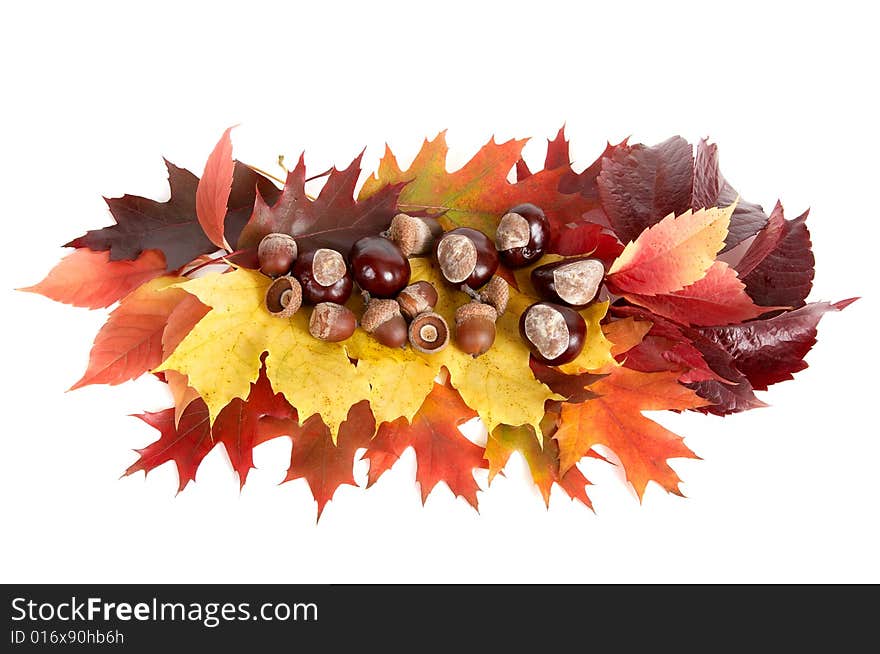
x,y
238,427
324,465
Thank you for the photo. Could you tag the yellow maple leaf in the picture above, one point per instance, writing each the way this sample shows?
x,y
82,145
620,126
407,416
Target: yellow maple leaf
x,y
221,355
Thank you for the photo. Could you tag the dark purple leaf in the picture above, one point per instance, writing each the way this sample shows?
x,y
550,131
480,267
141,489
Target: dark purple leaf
x,y
333,220
172,227
772,350
778,267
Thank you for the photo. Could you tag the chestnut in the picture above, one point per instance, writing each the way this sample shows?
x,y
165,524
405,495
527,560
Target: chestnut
x,y
574,282
522,235
555,334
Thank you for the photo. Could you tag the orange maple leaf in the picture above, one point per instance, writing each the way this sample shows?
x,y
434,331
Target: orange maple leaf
x,y
91,280
543,461
442,452
477,194
615,420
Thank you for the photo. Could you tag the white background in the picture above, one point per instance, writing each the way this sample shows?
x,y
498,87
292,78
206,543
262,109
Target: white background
x,y
94,95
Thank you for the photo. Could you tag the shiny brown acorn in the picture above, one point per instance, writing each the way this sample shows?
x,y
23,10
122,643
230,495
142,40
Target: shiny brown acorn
x,y
475,328
383,320
332,322
276,254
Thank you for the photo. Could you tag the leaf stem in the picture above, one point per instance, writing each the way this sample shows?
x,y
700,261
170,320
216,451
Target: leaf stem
x,y
213,260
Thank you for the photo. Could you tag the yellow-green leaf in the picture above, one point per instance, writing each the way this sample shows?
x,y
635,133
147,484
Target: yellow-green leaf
x,y
221,355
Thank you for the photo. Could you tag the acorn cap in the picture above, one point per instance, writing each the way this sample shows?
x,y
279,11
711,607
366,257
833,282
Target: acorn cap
x,y
475,310
284,297
413,235
428,333
378,312
496,293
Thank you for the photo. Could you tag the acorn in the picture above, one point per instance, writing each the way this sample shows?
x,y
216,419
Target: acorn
x,y
276,254
382,319
573,282
467,256
475,328
417,298
284,297
496,294
414,235
555,334
522,235
428,332
332,322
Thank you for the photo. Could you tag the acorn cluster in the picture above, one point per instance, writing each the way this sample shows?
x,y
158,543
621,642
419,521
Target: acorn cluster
x,y
398,312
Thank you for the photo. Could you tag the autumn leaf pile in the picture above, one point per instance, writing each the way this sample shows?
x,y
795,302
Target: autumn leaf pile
x,y
706,304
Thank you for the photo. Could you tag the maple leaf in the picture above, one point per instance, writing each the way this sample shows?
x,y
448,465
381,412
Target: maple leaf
x,y
718,298
674,253
173,227
326,465
185,443
332,220
442,452
779,265
615,420
770,351
222,354
558,155
238,428
185,315
212,193
130,342
542,459
89,279
478,194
